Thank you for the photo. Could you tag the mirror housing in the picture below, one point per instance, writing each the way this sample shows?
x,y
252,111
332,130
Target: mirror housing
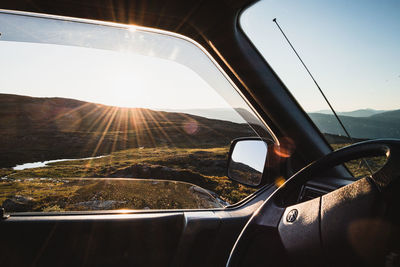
x,y
247,160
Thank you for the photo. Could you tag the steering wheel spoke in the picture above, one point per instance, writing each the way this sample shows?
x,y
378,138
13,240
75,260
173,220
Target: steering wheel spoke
x,y
300,233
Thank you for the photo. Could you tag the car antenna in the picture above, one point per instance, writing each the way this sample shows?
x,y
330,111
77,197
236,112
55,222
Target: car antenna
x,y
319,88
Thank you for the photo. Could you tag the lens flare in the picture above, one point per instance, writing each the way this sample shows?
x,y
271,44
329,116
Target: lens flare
x,y
191,127
286,147
280,181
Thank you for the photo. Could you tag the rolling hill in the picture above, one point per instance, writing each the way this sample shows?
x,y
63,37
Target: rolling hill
x,y
355,113
37,129
237,115
393,115
381,125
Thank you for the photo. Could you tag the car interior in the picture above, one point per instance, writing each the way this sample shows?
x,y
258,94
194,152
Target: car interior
x,y
303,207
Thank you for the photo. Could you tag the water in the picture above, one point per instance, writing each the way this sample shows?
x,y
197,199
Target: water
x,y
41,164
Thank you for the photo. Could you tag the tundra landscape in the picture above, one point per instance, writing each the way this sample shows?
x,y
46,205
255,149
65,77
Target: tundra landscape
x,y
107,157
183,156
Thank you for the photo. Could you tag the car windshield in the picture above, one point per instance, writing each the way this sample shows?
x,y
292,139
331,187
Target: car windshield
x,y
352,50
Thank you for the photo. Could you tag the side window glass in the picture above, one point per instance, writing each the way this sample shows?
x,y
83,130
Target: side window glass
x,y
105,117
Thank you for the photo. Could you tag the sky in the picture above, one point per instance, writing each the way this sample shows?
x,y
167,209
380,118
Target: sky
x,y
102,76
350,47
252,153
108,65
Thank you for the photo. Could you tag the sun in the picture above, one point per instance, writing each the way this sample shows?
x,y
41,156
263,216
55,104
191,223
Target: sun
x,y
125,89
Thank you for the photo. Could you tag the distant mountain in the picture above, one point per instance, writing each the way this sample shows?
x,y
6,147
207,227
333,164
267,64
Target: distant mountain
x,y
382,125
355,113
37,129
226,114
387,116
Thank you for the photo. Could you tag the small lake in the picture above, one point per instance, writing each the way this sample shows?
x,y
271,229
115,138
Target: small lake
x,y
41,164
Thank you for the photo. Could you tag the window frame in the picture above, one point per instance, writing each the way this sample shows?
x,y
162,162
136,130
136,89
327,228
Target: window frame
x,y
232,207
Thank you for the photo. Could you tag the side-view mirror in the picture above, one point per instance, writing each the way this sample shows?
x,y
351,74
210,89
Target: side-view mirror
x,y
247,160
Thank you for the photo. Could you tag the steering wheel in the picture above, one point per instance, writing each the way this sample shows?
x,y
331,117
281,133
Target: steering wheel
x,y
355,225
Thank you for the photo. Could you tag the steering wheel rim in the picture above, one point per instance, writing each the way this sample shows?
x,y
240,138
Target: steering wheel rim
x,y
273,216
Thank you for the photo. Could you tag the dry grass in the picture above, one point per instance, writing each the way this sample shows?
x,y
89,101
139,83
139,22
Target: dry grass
x,y
359,167
201,167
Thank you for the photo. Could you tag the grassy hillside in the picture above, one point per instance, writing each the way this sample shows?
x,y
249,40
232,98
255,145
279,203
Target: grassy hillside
x,y
101,194
362,167
38,129
49,188
176,154
178,160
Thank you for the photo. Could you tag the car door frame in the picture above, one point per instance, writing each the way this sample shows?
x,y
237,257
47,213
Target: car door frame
x,y
200,237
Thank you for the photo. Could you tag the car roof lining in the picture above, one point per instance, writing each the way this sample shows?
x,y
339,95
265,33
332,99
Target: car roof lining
x,y
172,15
